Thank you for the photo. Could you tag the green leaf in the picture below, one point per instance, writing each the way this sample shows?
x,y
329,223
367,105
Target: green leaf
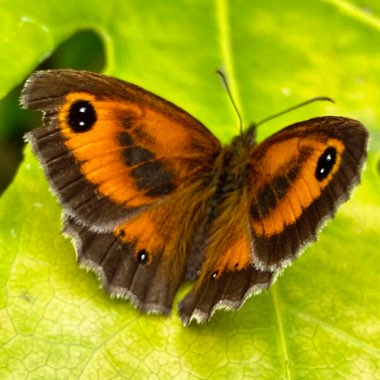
x,y
322,317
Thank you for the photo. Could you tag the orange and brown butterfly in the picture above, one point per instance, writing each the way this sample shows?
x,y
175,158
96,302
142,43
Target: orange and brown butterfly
x,y
151,199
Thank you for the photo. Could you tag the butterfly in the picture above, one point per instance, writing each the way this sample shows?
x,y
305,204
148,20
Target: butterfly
x,y
151,199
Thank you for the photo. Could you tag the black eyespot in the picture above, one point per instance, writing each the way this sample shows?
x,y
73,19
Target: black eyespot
x,y
121,233
142,256
82,116
215,275
325,163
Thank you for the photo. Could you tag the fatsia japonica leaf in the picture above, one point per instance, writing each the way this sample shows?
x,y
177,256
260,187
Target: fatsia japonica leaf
x,y
322,318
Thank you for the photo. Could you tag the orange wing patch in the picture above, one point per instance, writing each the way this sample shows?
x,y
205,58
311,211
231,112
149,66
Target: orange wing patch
x,y
236,254
229,244
111,149
168,228
288,183
131,153
144,234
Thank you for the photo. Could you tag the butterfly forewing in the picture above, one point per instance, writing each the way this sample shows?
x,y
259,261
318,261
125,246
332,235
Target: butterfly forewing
x,y
302,174
111,149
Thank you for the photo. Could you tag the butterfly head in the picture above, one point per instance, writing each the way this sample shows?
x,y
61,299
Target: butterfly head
x,y
246,139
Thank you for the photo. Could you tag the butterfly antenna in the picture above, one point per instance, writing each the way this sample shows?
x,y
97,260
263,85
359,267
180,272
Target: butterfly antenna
x,y
312,100
225,83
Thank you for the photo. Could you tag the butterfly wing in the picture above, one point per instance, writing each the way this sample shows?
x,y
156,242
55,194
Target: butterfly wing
x,y
299,177
135,175
295,181
111,149
131,171
144,259
226,275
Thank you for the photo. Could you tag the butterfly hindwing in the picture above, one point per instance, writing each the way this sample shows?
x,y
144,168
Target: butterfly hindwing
x,y
145,258
111,149
229,291
125,272
226,276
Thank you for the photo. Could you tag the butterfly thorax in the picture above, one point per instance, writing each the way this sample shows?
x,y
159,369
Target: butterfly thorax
x,y
231,165
229,176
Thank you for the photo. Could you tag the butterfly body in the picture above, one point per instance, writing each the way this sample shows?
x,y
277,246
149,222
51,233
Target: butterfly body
x,y
151,199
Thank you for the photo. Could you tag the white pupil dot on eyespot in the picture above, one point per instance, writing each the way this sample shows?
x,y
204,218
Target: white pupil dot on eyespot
x,y
82,123
82,109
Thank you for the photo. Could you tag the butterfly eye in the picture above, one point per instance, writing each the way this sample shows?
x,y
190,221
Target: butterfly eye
x,y
325,163
142,256
82,116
